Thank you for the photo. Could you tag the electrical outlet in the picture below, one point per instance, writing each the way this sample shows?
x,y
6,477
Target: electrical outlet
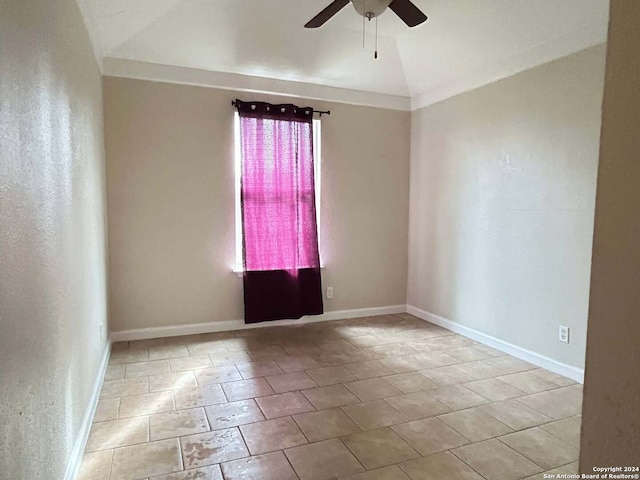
x,y
563,334
329,292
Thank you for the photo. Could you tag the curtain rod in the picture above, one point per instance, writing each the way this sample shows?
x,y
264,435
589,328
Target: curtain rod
x,y
319,112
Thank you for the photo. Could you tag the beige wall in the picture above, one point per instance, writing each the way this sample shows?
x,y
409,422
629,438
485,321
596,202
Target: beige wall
x,y
52,234
611,409
502,200
170,181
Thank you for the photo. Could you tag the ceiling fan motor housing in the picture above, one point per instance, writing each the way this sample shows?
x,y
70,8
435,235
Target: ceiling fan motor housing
x,y
371,8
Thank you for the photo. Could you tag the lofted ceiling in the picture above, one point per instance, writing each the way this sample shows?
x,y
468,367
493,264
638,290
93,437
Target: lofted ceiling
x,y
464,44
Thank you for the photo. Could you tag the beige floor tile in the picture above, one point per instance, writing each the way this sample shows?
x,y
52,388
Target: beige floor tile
x,y
494,390
441,466
492,352
229,358
172,381
567,429
379,448
432,359
331,375
371,340
410,382
148,459
417,405
325,460
467,354
297,363
107,409
541,447
572,395
223,374
330,396
114,372
245,389
325,424
449,375
212,447
406,371
284,404
387,473
450,341
272,435
146,404
160,352
372,389
118,433
212,472
270,466
570,469
190,363
96,465
236,344
119,357
125,387
554,378
199,396
145,369
268,352
258,369
302,351
515,414
457,397
374,414
479,370
474,424
399,364
429,435
177,424
369,369
204,347
146,343
551,404
508,364
495,461
232,414
288,382
528,381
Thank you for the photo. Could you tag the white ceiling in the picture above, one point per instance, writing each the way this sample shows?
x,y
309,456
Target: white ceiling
x,y
464,44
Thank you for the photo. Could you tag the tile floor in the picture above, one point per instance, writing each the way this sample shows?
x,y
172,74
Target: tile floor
x,y
379,398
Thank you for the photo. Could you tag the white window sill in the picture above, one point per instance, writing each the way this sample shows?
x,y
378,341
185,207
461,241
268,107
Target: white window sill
x,y
240,271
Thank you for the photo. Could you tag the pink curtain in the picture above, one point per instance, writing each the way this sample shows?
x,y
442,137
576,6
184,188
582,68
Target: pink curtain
x,y
280,239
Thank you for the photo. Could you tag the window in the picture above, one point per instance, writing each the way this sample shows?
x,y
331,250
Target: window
x,y
317,164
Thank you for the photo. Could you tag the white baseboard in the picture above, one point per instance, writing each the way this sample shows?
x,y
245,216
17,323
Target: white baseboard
x,y
75,460
226,325
574,373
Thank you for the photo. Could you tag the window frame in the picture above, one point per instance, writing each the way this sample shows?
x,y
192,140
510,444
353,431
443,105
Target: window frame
x,y
317,173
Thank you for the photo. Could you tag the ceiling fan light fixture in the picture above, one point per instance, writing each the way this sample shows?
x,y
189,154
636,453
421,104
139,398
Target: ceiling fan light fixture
x,y
405,9
370,8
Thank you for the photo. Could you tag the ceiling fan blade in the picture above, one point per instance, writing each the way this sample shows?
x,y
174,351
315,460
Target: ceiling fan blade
x,y
408,12
326,14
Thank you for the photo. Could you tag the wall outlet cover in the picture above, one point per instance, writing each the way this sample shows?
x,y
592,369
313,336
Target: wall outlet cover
x,y
563,334
329,292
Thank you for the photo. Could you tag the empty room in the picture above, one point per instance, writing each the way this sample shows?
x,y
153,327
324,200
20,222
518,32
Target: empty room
x,y
319,239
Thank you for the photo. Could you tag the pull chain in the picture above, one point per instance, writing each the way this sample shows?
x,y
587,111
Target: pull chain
x,y
376,54
364,25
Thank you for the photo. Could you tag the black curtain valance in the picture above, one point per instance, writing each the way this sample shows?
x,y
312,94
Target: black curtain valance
x,y
284,111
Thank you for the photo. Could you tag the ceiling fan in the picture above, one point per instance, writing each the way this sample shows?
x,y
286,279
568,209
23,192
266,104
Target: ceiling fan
x,y
407,11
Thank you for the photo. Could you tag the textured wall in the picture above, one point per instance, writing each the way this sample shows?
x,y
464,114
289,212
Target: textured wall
x,y
52,234
502,200
170,181
611,409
